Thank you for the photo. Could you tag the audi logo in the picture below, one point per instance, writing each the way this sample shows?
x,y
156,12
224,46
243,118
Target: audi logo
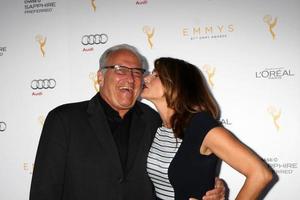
x,y
94,39
43,84
2,126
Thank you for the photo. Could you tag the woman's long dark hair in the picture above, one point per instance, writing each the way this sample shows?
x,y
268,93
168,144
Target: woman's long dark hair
x,y
186,92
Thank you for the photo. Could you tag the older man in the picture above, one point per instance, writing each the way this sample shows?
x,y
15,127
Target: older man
x,y
97,149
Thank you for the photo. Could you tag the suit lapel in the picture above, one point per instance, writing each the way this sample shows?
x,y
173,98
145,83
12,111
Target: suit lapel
x,y
102,131
137,131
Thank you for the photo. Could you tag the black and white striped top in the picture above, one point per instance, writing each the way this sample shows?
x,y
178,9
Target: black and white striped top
x,y
162,151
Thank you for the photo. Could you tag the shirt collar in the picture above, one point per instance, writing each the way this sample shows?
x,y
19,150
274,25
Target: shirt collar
x,y
112,113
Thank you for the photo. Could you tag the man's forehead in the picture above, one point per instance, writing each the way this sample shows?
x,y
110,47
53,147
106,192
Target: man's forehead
x,y
122,52
124,55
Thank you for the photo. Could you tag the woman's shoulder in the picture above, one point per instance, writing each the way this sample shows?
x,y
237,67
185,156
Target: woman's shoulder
x,y
203,120
203,115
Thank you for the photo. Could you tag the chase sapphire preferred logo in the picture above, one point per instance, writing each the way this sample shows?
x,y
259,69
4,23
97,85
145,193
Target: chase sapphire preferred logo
x,y
282,167
38,6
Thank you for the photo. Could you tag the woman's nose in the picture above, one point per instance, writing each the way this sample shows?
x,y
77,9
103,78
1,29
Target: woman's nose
x,y
146,79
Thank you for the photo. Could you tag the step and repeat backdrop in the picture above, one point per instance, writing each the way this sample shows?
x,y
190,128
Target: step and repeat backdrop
x,y
248,51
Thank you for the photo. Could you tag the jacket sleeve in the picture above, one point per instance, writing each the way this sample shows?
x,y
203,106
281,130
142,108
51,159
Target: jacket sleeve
x,y
50,162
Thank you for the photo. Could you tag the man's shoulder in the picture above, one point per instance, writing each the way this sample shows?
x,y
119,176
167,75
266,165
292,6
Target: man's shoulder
x,y
148,110
74,107
145,107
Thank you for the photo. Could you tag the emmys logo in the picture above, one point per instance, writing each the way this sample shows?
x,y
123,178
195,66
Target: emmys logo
x,y
275,114
150,33
274,73
271,24
41,120
42,42
93,77
28,167
2,50
210,72
93,3
207,32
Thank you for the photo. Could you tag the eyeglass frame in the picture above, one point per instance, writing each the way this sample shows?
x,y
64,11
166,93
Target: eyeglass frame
x,y
128,69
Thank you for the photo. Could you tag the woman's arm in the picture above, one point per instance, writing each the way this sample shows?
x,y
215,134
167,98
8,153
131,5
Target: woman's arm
x,y
223,144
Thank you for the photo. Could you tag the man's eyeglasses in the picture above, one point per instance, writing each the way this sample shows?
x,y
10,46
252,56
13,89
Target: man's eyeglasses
x,y
123,70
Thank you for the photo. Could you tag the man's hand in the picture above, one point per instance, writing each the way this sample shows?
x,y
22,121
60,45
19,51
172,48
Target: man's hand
x,y
218,193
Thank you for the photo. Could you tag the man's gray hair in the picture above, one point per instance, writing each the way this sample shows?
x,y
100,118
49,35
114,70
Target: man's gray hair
x,y
134,50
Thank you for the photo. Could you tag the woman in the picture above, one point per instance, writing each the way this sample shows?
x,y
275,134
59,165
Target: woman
x,y
183,157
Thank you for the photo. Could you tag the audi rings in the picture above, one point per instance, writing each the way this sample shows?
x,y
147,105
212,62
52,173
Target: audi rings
x,y
2,126
43,84
94,39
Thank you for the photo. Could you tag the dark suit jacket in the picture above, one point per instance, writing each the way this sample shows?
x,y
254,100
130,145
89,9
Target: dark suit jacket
x,y
77,158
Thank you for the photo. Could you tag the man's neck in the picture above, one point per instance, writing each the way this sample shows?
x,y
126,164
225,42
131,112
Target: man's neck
x,y
122,112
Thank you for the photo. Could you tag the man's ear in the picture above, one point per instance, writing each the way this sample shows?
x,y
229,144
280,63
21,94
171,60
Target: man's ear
x,y
100,77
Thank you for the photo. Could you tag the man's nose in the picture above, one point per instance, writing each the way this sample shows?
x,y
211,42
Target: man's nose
x,y
130,75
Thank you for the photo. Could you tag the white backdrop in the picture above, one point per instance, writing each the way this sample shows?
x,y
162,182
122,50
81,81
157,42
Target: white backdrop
x,y
248,50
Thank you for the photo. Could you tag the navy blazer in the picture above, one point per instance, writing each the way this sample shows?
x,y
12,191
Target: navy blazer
x,y
77,158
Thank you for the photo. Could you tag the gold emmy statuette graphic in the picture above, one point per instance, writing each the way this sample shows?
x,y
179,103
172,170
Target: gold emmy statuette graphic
x,y
275,113
93,77
42,42
41,120
93,2
271,23
210,71
150,34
